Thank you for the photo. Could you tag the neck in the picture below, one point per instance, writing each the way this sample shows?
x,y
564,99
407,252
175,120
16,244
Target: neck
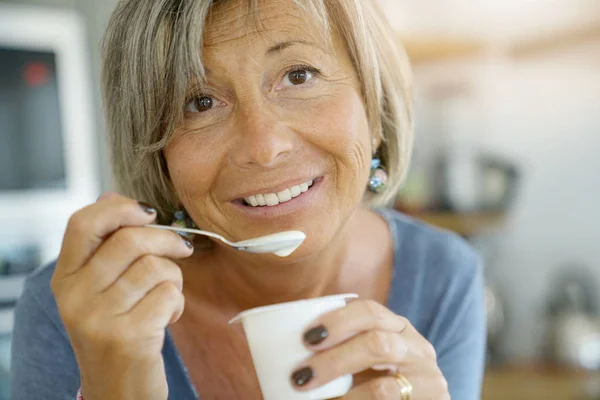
x,y
240,281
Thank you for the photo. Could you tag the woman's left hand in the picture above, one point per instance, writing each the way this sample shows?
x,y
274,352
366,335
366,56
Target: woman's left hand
x,y
377,346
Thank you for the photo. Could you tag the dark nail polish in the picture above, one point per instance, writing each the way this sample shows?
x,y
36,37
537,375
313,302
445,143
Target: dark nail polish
x,y
302,376
316,335
148,208
187,243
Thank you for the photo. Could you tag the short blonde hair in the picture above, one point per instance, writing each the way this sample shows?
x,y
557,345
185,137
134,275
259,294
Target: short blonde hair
x,y
152,48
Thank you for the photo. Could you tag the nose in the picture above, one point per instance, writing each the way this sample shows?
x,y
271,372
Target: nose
x,y
263,139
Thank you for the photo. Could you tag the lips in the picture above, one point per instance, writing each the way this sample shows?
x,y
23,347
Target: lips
x,y
274,199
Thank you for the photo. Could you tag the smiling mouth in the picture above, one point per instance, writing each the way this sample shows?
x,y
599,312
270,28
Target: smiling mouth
x,y
274,199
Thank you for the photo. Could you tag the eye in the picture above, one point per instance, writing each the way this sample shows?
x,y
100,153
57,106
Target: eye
x,y
200,104
299,75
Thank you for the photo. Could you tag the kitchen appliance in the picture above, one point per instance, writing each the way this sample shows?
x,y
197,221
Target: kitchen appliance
x,y
48,160
573,337
475,182
496,321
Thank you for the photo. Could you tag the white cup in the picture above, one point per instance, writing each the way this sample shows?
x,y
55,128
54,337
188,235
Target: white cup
x,y
275,337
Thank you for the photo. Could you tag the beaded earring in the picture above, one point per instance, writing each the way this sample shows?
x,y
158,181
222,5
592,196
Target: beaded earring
x,y
378,177
182,220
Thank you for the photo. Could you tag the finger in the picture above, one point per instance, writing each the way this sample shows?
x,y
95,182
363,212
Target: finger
x,y
425,385
88,227
357,354
126,246
139,279
162,306
382,388
358,316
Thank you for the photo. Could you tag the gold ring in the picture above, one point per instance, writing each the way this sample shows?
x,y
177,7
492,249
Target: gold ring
x,y
406,387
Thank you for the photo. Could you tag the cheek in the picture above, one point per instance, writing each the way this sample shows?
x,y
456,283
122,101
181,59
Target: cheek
x,y
338,125
192,165
339,121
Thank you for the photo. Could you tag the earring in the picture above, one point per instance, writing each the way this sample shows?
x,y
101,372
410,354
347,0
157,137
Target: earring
x,y
378,177
182,220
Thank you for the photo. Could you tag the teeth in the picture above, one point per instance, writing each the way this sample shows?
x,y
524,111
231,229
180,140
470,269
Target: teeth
x,y
273,199
284,195
295,191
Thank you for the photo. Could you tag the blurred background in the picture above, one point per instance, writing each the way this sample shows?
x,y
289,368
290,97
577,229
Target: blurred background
x,y
508,135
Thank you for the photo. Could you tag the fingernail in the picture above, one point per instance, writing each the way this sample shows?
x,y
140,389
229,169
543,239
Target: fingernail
x,y
316,335
187,242
147,208
302,376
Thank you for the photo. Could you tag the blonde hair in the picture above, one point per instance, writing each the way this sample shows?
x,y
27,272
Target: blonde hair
x,y
153,48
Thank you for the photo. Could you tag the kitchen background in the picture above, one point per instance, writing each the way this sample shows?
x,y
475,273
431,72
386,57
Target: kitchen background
x,y
508,136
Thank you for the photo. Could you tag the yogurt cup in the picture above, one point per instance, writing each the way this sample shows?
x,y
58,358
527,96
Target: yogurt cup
x,y
274,334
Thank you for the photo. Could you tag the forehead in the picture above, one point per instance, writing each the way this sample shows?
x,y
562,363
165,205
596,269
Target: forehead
x,y
240,22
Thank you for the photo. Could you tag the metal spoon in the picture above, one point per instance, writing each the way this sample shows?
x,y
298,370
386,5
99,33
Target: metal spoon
x,y
282,244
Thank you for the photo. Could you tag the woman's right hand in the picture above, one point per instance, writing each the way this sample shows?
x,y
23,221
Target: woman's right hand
x,y
117,289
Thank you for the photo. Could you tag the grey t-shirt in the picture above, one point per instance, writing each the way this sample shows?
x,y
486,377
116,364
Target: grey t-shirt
x,y
437,284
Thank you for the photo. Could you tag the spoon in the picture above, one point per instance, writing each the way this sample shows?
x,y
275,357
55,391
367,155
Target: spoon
x,y
282,244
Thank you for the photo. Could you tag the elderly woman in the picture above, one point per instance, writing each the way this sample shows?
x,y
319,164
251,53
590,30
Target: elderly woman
x,y
246,118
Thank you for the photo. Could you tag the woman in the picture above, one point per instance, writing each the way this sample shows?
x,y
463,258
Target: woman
x,y
247,118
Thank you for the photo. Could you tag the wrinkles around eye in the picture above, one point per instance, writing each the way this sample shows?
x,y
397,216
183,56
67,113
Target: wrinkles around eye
x,y
200,104
204,103
197,104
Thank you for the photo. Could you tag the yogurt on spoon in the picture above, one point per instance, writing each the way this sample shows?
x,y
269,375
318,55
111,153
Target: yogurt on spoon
x,y
281,244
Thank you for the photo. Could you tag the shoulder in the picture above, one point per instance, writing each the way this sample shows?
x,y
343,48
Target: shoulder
x,y
435,271
37,283
37,294
42,358
431,249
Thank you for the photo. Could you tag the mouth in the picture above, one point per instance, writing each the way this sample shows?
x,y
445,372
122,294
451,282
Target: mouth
x,y
267,200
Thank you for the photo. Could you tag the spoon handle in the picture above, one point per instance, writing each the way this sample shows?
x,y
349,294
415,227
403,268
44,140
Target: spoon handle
x,y
190,230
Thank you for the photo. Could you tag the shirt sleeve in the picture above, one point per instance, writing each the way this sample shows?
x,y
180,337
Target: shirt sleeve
x,y
461,338
43,365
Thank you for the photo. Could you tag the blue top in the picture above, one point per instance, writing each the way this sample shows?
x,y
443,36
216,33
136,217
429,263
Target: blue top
x,y
437,284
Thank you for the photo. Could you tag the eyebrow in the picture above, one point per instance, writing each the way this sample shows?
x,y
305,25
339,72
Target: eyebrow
x,y
279,47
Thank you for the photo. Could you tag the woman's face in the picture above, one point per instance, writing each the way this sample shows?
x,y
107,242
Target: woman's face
x,y
280,111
